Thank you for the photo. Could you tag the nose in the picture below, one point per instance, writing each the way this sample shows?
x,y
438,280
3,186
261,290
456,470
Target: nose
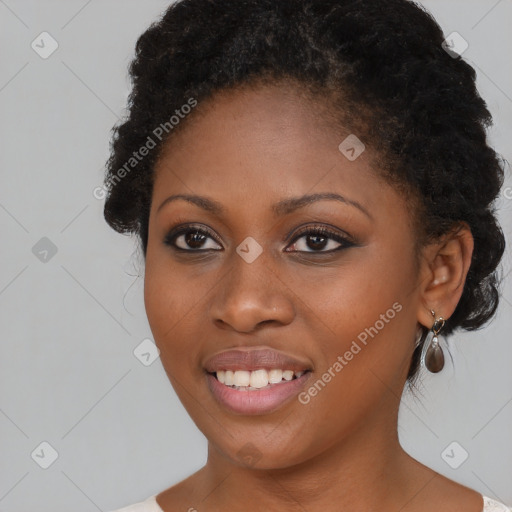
x,y
251,296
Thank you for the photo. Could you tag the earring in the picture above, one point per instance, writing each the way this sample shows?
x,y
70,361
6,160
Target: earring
x,y
432,357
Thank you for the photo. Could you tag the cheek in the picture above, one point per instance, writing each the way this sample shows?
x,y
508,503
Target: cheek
x,y
363,313
169,292
354,295
169,304
164,306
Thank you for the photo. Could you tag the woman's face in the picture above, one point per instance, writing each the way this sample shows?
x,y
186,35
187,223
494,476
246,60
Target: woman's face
x,y
233,268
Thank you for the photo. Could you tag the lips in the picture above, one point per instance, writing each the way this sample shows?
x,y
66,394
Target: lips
x,y
258,397
254,359
256,402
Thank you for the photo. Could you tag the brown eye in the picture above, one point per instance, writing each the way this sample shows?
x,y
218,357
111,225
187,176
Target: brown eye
x,y
189,238
194,240
320,240
316,242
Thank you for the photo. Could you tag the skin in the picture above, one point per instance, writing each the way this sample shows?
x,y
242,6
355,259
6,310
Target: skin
x,y
247,149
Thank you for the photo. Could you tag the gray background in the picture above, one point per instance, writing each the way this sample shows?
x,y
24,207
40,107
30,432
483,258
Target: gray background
x,y
70,321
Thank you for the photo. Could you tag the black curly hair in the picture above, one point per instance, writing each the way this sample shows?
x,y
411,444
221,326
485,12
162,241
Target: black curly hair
x,y
379,65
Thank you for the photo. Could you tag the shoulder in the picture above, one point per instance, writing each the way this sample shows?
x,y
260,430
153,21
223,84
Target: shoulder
x,y
491,505
451,495
148,505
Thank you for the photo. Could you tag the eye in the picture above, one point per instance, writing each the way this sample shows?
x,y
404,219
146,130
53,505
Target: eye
x,y
319,239
192,239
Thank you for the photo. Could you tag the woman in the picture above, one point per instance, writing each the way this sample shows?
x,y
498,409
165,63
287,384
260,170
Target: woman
x,y
312,190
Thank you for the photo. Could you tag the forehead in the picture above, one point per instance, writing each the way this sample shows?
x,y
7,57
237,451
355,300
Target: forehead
x,y
263,144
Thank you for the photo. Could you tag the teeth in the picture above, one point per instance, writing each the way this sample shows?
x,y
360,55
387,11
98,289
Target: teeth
x,y
256,379
275,376
229,378
242,378
259,379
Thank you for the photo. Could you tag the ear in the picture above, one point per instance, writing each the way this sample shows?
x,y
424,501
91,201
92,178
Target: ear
x,y
444,268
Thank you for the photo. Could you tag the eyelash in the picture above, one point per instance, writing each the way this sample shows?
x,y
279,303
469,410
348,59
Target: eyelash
x,y
321,231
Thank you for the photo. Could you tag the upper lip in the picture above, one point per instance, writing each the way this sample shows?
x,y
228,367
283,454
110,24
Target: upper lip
x,y
254,359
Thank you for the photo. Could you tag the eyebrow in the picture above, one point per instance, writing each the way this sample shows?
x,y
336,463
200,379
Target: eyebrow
x,y
284,207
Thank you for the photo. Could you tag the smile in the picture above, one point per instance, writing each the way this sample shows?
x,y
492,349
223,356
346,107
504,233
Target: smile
x,y
250,380
260,391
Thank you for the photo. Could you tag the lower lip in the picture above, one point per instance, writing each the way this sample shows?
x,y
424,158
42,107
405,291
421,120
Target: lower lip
x,y
256,401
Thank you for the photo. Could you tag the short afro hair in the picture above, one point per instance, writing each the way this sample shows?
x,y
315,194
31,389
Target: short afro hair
x,y
384,60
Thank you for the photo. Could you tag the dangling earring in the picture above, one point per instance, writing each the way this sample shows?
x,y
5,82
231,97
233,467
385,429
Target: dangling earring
x,y
432,357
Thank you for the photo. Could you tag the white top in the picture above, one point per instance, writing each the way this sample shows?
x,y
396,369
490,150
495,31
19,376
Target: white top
x,y
150,505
